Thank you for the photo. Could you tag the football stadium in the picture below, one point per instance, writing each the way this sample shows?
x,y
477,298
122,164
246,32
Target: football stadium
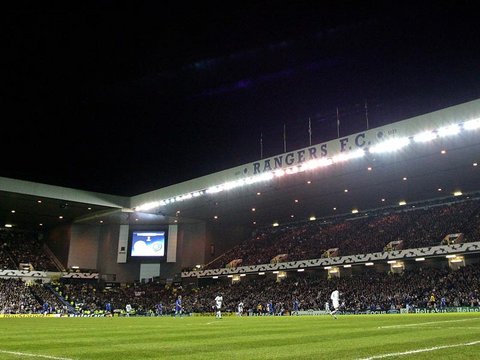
x,y
242,263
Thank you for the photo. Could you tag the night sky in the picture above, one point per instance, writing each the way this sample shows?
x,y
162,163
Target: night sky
x,y
125,97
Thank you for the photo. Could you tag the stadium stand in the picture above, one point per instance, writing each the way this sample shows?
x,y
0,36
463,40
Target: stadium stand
x,y
363,291
19,297
21,247
426,224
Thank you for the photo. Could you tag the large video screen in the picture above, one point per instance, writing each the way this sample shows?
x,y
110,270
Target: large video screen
x,y
148,243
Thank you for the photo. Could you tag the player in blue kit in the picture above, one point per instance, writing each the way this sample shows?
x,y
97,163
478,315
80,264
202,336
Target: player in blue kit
x,y
178,306
296,307
159,309
108,309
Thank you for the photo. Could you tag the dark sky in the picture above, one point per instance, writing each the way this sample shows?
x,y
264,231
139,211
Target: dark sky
x,y
125,97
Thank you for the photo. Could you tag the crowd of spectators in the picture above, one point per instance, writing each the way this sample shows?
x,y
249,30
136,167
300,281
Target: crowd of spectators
x,y
424,225
419,226
16,297
23,247
20,297
92,297
368,290
6,261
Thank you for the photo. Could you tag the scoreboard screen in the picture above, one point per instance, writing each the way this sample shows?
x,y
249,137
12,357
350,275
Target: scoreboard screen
x,y
149,243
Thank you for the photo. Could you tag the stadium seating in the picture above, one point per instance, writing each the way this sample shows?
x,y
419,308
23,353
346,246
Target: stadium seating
x,y
21,247
366,290
413,227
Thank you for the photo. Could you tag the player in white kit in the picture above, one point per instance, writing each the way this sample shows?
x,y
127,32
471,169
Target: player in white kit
x,y
335,297
218,305
240,308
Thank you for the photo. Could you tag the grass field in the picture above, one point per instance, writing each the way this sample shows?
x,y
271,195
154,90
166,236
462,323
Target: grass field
x,y
423,336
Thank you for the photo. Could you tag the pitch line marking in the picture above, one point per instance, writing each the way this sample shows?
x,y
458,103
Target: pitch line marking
x,y
455,327
34,355
212,322
423,323
420,350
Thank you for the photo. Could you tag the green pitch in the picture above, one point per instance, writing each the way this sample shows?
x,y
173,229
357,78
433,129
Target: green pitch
x,y
425,336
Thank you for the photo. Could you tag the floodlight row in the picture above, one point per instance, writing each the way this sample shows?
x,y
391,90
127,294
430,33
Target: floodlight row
x,y
391,145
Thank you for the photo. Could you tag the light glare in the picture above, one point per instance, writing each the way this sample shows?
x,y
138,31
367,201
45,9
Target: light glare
x,y
472,124
449,130
391,145
424,136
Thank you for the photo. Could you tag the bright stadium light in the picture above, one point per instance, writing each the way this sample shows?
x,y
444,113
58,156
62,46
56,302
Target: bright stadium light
x,y
448,130
148,206
425,136
292,170
325,162
317,163
214,189
472,124
390,145
357,154
348,156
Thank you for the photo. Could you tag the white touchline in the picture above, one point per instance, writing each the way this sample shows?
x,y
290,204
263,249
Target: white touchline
x,y
420,350
34,355
423,323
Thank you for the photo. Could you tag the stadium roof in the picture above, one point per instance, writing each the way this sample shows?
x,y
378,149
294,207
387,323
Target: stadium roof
x,y
424,170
